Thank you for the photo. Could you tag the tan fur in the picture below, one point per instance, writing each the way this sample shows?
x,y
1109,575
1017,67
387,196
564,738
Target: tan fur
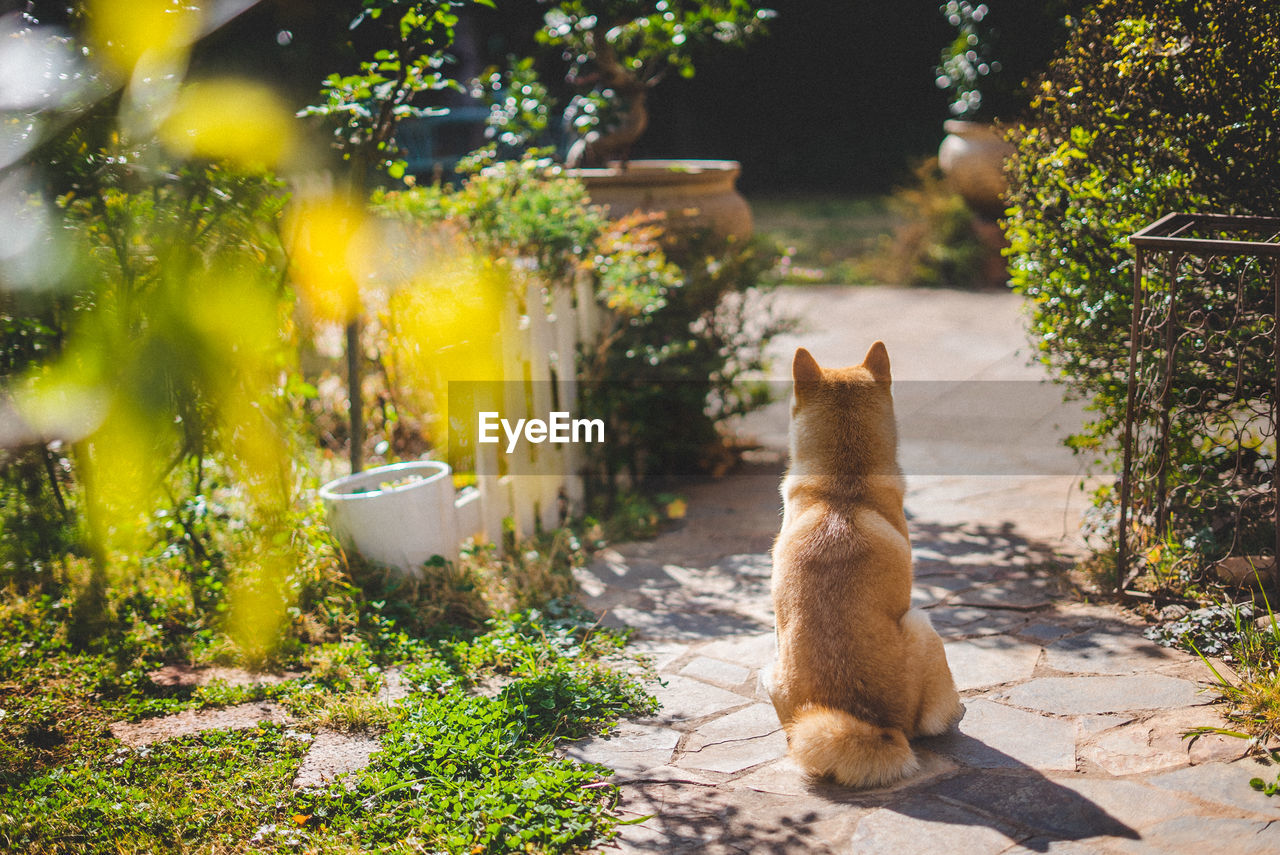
x,y
859,672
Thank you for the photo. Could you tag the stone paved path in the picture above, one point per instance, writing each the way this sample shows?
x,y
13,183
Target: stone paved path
x,y
1071,740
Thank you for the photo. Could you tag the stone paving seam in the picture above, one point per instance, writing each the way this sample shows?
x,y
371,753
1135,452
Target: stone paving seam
x,y
691,725
1220,807
705,746
660,782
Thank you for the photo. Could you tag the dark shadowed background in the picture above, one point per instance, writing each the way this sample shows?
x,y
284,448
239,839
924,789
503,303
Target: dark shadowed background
x,y
839,97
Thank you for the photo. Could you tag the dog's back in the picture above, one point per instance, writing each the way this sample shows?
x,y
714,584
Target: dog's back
x,y
858,672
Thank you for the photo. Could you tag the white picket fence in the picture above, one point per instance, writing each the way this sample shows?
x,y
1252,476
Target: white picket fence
x,y
401,515
534,485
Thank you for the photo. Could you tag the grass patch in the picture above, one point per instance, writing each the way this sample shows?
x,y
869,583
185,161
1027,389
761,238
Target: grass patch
x,y
827,239
1234,625
1253,697
462,773
497,666
209,790
458,771
922,234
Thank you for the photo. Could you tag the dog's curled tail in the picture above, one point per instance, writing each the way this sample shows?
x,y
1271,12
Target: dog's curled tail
x,y
828,742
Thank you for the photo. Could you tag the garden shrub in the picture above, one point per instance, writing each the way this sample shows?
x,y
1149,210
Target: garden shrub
x,y
935,242
1150,107
37,525
666,376
160,348
165,321
514,209
180,314
994,50
37,519
683,332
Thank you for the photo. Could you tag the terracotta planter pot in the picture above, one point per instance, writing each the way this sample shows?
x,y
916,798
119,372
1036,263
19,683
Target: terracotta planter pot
x,y
972,157
694,194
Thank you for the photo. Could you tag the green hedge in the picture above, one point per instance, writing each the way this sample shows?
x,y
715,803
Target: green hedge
x,y
1150,107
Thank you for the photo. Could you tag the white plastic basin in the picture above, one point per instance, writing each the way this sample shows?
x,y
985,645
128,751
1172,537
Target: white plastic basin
x,y
400,526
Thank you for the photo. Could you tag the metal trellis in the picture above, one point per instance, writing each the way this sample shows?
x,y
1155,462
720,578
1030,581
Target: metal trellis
x,y
1204,378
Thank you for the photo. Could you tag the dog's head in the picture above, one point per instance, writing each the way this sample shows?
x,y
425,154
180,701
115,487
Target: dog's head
x,y
843,416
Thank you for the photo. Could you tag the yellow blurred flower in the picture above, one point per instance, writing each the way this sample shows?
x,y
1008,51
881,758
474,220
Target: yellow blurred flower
x,y
236,121
123,32
676,509
324,239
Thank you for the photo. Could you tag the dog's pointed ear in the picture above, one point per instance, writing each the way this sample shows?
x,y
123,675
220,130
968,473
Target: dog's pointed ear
x,y
804,368
877,362
806,372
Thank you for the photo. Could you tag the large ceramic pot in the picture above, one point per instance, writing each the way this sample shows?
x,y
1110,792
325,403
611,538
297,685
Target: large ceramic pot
x,y
972,157
694,194
397,516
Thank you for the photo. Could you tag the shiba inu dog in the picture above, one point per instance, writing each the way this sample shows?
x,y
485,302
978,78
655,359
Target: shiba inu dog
x,y
859,672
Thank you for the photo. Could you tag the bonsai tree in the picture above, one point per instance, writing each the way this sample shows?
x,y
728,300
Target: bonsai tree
x,y
618,50
365,108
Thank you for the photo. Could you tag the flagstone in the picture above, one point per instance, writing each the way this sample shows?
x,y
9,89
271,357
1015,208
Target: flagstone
x,y
1130,801
332,755
992,735
980,663
187,722
754,651
1034,802
1021,594
1104,694
1160,741
631,749
1207,834
1223,783
1117,650
735,742
716,671
930,825
685,699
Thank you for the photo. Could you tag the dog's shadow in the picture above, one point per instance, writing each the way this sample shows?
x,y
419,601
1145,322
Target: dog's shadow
x,y
990,789
967,796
